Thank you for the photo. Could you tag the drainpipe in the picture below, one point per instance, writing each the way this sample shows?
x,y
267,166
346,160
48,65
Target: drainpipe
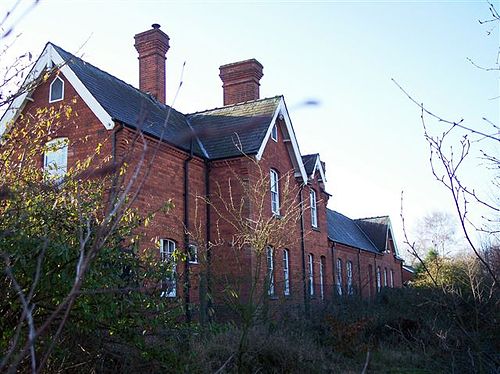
x,y
359,273
114,155
207,293
187,280
303,250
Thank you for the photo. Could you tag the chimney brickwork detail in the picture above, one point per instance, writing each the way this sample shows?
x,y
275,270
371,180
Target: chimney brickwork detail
x,y
152,46
240,81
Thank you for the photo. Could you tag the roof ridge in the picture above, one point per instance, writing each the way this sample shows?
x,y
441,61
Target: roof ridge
x,y
367,218
145,94
233,105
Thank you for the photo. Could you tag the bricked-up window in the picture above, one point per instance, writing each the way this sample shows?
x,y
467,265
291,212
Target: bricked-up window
x,y
339,277
385,277
56,92
392,278
322,266
270,270
314,211
274,133
350,289
55,160
168,285
286,272
379,283
275,197
193,254
311,274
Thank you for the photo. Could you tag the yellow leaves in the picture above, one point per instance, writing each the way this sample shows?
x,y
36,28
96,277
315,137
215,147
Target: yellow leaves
x,y
98,149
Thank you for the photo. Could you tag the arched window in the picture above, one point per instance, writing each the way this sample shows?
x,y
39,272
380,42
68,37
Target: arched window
x,y
379,285
270,271
322,268
392,278
311,274
168,285
56,91
350,289
339,276
286,272
385,277
314,211
55,161
275,198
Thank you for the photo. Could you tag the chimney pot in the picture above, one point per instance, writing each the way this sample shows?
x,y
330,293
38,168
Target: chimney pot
x,y
240,81
152,46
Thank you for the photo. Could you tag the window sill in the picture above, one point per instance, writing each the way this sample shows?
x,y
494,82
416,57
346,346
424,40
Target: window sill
x,y
315,229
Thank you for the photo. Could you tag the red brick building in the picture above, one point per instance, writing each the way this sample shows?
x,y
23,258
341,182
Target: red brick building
x,y
198,153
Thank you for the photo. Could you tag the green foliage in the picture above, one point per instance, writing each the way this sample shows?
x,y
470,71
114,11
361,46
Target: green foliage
x,y
47,227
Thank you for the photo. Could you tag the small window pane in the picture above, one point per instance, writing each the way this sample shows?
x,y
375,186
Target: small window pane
x,y
350,289
275,200
274,133
270,271
55,162
168,285
314,212
379,282
339,277
311,275
286,272
56,90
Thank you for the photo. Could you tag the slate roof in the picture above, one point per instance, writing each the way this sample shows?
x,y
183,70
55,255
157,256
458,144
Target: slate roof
x,y
128,105
217,133
227,131
376,229
342,229
309,162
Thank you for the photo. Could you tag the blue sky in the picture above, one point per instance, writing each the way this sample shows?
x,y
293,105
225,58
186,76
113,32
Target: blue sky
x,y
342,54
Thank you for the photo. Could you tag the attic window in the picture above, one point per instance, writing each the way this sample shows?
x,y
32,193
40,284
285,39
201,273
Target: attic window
x,y
56,90
274,133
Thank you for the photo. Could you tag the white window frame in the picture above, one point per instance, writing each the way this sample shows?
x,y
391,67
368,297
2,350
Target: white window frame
x,y
51,99
286,272
322,262
55,158
385,277
167,249
350,290
193,253
379,280
338,279
311,274
274,133
275,195
392,278
270,270
314,208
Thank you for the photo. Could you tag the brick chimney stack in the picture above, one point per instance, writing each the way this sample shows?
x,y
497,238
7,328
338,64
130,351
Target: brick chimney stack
x,y
152,46
240,81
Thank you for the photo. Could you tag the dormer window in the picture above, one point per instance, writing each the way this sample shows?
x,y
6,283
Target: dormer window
x,y
274,133
56,92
